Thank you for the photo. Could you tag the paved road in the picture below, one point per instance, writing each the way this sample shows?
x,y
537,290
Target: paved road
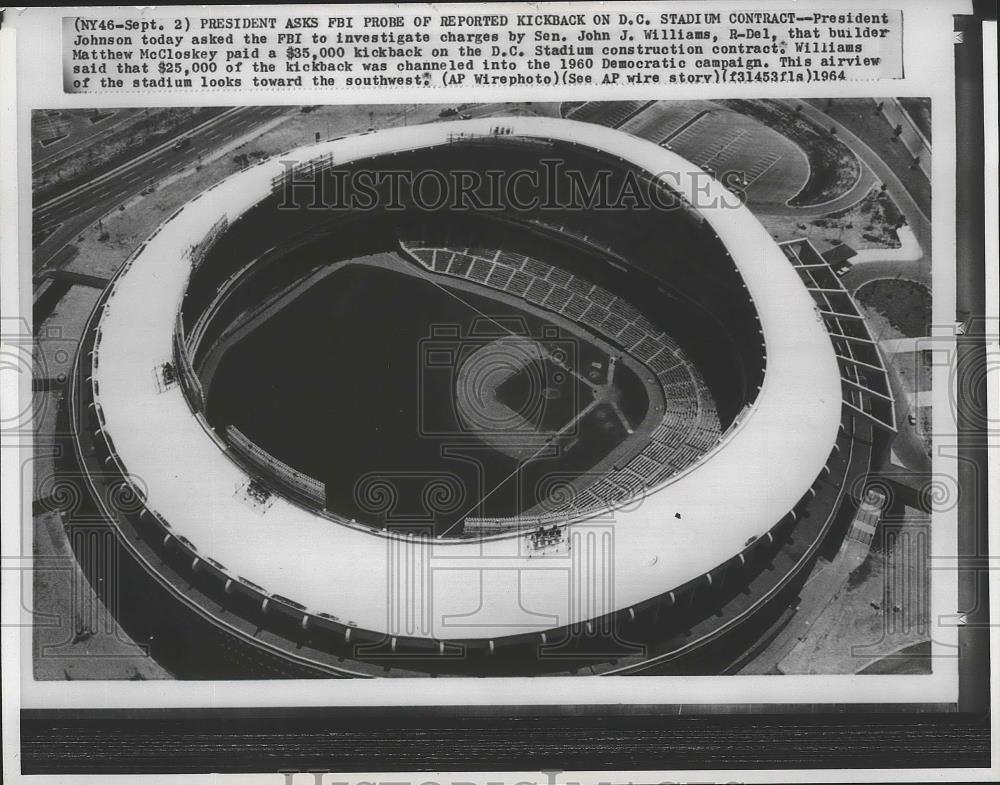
x,y
814,598
859,115
908,444
915,217
866,180
63,218
875,270
47,154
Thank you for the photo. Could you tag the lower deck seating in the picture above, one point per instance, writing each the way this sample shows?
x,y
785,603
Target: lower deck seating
x,y
690,424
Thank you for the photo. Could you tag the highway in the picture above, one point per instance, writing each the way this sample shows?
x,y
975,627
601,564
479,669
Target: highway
x,y
63,148
61,219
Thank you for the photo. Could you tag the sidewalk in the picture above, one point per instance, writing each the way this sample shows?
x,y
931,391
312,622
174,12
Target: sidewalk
x,y
900,345
908,251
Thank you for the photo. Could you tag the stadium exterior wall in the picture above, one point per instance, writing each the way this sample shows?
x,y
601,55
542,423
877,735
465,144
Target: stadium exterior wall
x,y
237,199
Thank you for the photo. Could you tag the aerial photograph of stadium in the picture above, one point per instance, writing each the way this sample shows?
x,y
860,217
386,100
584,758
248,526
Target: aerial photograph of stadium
x,y
515,389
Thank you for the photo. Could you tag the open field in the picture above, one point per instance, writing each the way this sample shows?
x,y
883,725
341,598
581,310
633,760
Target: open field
x,y
868,225
905,304
883,608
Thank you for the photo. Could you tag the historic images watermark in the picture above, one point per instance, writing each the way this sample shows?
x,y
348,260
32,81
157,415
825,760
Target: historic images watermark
x,y
552,186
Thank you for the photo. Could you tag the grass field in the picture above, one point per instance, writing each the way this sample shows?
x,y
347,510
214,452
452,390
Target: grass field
x,y
906,305
871,223
856,115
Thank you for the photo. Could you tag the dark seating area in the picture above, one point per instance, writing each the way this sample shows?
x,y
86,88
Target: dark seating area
x,y
690,425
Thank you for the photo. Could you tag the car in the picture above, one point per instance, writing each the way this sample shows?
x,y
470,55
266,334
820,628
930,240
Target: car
x,y
911,419
466,116
182,144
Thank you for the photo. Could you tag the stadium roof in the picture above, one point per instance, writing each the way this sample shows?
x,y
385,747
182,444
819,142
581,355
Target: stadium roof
x,y
839,253
472,588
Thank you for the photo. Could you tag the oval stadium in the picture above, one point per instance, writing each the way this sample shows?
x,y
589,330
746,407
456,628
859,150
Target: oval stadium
x,y
498,396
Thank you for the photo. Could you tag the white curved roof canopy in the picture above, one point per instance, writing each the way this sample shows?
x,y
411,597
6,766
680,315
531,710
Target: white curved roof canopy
x,y
453,589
